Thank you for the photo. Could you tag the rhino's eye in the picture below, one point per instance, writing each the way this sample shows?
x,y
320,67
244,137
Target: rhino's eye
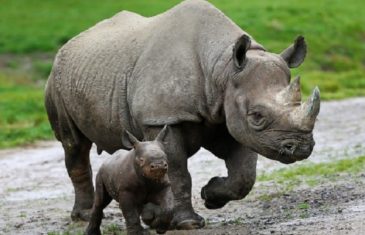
x,y
256,120
257,116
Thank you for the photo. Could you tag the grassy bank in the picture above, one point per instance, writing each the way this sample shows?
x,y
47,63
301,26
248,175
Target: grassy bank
x,y
23,118
312,174
335,33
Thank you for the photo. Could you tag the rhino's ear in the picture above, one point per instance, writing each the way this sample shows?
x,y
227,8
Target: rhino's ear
x,y
239,51
163,133
295,54
128,140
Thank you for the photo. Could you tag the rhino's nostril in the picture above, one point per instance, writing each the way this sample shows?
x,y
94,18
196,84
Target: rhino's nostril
x,y
289,147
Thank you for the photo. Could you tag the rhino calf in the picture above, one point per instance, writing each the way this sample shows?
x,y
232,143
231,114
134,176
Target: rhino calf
x,y
136,179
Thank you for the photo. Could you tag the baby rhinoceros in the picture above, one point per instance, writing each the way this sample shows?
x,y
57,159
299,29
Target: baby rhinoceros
x,y
138,181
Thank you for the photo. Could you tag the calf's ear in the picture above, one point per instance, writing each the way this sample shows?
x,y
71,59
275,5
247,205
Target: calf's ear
x,y
163,133
128,140
294,55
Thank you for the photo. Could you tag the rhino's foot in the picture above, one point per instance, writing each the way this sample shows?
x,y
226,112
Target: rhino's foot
x,y
80,214
215,194
214,204
188,220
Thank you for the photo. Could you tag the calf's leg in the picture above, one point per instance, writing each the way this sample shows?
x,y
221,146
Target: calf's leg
x,y
101,200
131,212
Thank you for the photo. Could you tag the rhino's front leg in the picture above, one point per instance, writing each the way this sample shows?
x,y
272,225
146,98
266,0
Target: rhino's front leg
x,y
184,216
241,166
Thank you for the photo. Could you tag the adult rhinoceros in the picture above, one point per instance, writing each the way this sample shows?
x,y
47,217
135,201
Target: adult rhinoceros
x,y
194,69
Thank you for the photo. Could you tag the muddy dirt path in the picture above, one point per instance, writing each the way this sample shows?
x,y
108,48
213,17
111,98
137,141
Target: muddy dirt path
x,y
36,195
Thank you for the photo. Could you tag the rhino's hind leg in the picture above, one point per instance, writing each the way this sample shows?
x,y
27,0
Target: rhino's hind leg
x,y
76,147
241,166
79,169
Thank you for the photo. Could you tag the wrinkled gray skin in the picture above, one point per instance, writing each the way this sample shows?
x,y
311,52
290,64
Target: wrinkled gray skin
x,y
194,69
134,179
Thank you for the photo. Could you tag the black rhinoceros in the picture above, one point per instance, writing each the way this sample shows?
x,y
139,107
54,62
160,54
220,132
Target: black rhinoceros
x,y
192,68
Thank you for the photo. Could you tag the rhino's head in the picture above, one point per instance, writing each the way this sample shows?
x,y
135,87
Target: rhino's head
x,y
263,109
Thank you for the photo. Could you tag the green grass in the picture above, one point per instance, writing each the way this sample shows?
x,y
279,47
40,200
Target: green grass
x,y
288,180
335,33
23,118
309,173
113,229
33,25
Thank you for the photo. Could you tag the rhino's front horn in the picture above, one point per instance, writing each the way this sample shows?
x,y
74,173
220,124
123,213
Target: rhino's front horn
x,y
304,116
312,106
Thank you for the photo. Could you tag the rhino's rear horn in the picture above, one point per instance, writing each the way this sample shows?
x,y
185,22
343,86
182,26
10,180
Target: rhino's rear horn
x,y
291,94
294,93
239,51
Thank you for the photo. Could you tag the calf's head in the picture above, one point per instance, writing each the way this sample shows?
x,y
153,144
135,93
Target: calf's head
x,y
150,158
263,109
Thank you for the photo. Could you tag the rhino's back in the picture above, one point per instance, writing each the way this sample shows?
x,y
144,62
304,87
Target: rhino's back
x,y
177,63
90,74
130,71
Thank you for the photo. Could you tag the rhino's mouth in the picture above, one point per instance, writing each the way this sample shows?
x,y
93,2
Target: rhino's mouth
x,y
290,153
286,159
